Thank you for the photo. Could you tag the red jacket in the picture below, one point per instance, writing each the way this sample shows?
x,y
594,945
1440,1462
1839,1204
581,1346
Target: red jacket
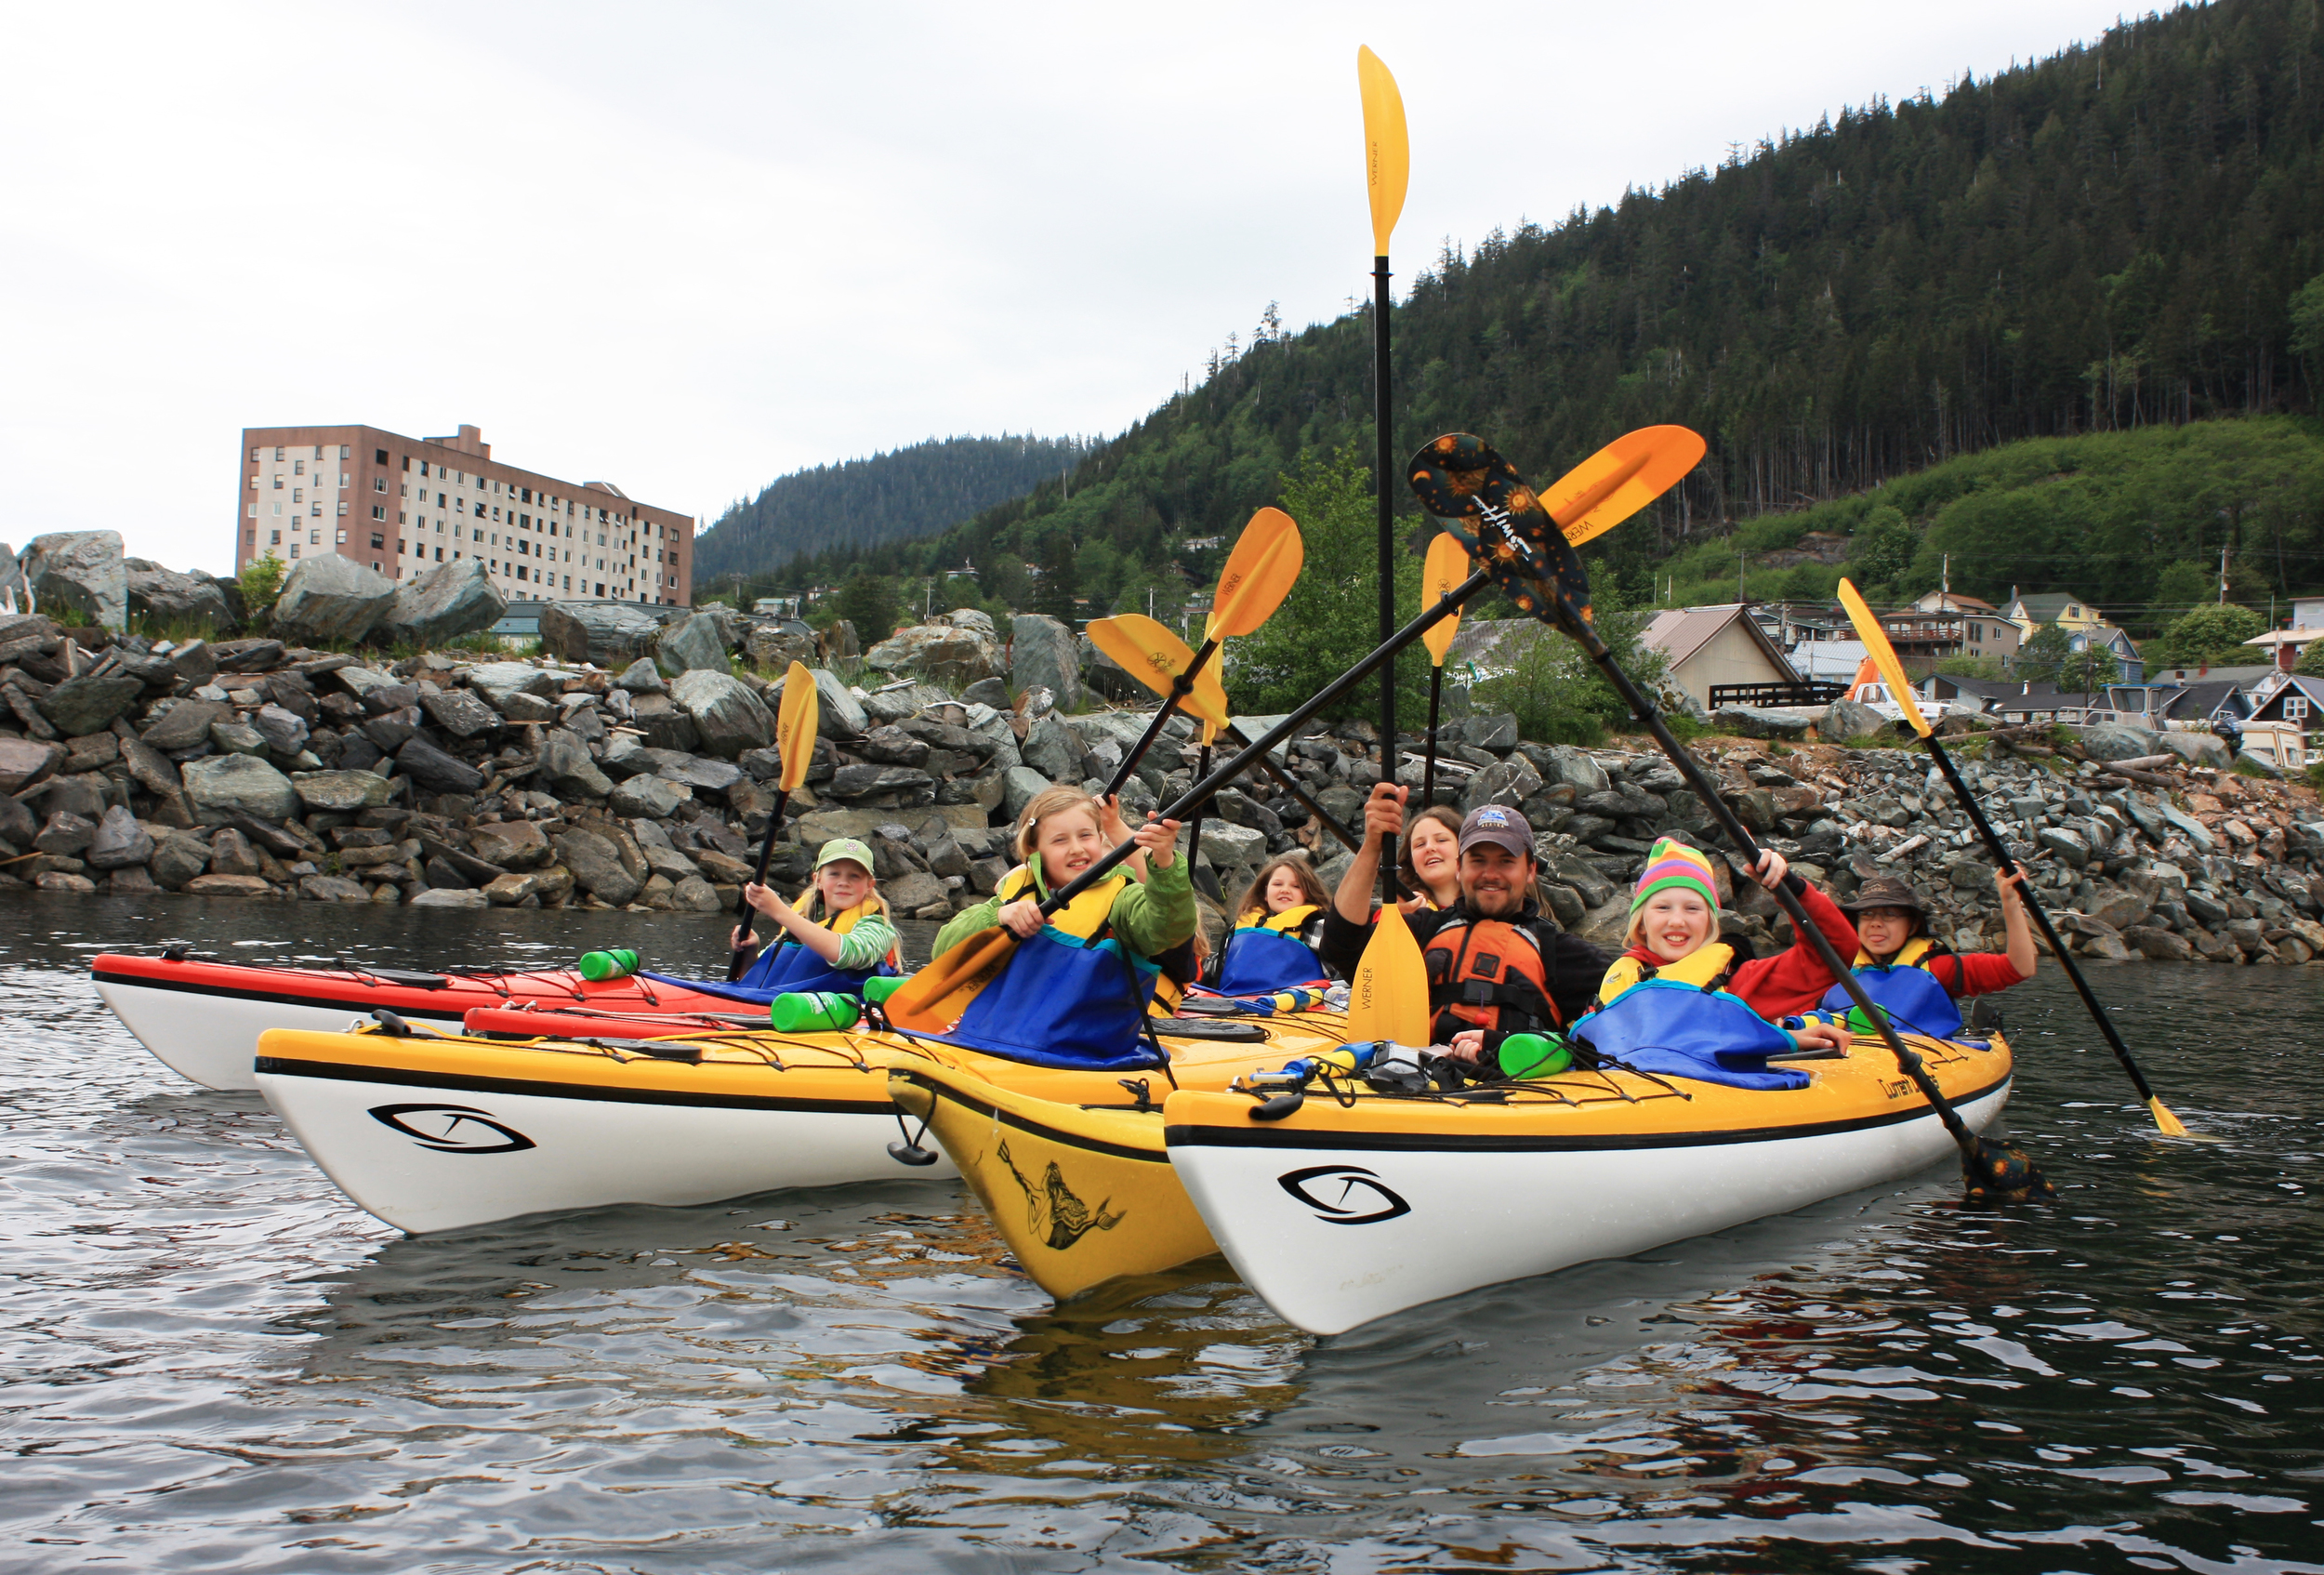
x,y
1972,973
1793,980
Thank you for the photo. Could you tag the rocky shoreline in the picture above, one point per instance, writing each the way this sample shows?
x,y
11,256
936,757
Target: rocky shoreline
x,y
634,769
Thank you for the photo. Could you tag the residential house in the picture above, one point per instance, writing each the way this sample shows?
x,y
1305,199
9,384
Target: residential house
x,y
2282,726
2200,705
2085,626
1724,648
1984,632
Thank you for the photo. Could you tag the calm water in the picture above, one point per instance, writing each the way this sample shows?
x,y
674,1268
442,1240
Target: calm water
x,y
214,1361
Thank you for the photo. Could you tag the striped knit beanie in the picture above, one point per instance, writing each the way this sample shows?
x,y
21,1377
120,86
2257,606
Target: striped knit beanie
x,y
1673,864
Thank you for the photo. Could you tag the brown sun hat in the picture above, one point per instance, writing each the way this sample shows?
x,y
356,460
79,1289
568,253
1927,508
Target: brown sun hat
x,y
1884,891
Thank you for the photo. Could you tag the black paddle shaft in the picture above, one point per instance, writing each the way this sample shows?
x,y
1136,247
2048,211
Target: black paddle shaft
x,y
1243,760
2010,866
1428,769
1181,686
1907,1059
759,878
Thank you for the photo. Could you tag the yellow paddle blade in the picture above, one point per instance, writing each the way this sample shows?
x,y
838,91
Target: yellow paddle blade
x,y
1619,479
1387,152
795,724
1388,998
1884,655
1155,657
2166,1121
932,1000
1447,566
1258,575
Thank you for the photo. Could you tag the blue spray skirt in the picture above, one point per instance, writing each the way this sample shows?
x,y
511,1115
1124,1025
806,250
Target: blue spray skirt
x,y
1066,1003
1661,1025
1256,962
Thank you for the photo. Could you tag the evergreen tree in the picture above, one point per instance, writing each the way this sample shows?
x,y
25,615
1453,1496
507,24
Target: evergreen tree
x,y
2088,670
2044,652
869,602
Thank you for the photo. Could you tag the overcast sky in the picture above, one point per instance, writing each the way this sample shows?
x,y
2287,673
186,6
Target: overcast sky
x,y
688,248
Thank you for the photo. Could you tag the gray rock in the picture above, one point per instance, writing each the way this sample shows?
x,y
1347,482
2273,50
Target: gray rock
x,y
564,767
860,781
1495,733
440,896
2159,946
495,681
2201,748
611,634
284,732
693,894
65,835
165,596
774,649
693,644
647,796
238,738
26,760
78,577
441,604
664,726
642,677
711,776
2115,741
2067,845
332,889
458,711
432,771
526,707
840,716
944,655
1226,845
512,844
1843,720
1043,652
220,787
596,867
1563,764
81,793
727,715
342,792
178,859
1509,782
195,662
88,704
330,599
990,692
1019,786
892,746
17,822
1757,722
1053,750
230,854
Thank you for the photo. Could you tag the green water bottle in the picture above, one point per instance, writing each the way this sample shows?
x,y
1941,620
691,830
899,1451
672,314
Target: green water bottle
x,y
881,987
1859,1024
1534,1055
808,1012
601,965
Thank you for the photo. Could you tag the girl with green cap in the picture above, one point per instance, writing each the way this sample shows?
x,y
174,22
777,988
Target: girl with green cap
x,y
845,936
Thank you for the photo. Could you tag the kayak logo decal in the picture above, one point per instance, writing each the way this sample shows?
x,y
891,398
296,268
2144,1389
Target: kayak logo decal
x,y
462,1128
1053,1212
1344,1195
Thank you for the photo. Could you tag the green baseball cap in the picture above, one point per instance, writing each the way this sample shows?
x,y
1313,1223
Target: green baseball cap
x,y
844,847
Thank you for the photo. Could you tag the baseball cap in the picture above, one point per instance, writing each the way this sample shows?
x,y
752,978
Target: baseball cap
x,y
844,847
1501,827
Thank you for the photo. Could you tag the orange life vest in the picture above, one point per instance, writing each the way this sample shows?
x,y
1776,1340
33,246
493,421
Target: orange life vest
x,y
1490,974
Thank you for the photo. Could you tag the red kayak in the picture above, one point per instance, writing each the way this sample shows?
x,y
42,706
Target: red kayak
x,y
203,1017
547,1021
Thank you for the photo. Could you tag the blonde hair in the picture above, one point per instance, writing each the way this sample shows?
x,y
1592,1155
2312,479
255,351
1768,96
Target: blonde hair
x,y
813,894
1255,895
1047,803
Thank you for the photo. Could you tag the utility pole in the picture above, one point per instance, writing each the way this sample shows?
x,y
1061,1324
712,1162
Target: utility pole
x,y
1945,577
2222,575
1742,592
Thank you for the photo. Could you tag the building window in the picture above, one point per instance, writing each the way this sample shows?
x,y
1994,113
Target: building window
x,y
344,452
278,481
378,484
440,554
314,538
342,538
276,539
2296,708
254,510
298,495
298,467
342,505
278,456
315,509
375,566
378,457
379,511
294,550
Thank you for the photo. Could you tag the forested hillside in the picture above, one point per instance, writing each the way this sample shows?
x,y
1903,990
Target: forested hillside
x,y
901,495
2103,241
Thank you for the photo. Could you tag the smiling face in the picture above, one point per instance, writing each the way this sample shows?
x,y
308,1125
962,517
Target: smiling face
x,y
1436,858
1067,843
1885,931
1494,882
844,884
1284,890
1675,923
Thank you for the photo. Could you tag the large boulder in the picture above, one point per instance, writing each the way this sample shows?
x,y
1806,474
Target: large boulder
x,y
88,704
2200,748
166,597
26,634
221,787
446,602
187,723
841,714
775,646
2116,741
564,767
729,718
120,842
78,573
1759,722
944,654
597,866
342,792
458,711
1045,652
609,634
26,760
329,599
431,770
496,680
695,643
1843,720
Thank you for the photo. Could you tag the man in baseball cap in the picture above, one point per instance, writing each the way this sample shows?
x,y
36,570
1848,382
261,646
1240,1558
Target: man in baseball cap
x,y
1497,965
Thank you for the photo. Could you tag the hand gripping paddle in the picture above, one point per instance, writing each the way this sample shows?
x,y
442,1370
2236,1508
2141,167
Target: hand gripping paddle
x,y
1884,655
794,721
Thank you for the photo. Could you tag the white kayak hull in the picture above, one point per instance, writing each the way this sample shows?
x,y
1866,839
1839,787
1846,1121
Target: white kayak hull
x,y
1334,1235
211,1037
450,1153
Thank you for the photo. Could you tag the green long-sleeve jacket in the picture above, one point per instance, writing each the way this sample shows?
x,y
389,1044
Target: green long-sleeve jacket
x,y
1149,917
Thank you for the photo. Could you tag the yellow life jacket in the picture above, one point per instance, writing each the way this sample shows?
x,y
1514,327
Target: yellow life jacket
x,y
1081,918
1290,921
1708,969
1913,955
811,902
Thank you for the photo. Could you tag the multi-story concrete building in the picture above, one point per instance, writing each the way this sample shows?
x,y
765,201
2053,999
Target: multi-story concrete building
x,y
403,505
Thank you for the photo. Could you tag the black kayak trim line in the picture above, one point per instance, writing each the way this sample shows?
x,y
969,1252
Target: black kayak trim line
x,y
1258,1136
357,1004
1024,1124
465,1082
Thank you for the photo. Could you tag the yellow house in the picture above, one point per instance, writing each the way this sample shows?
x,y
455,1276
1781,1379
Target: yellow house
x,y
2070,612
